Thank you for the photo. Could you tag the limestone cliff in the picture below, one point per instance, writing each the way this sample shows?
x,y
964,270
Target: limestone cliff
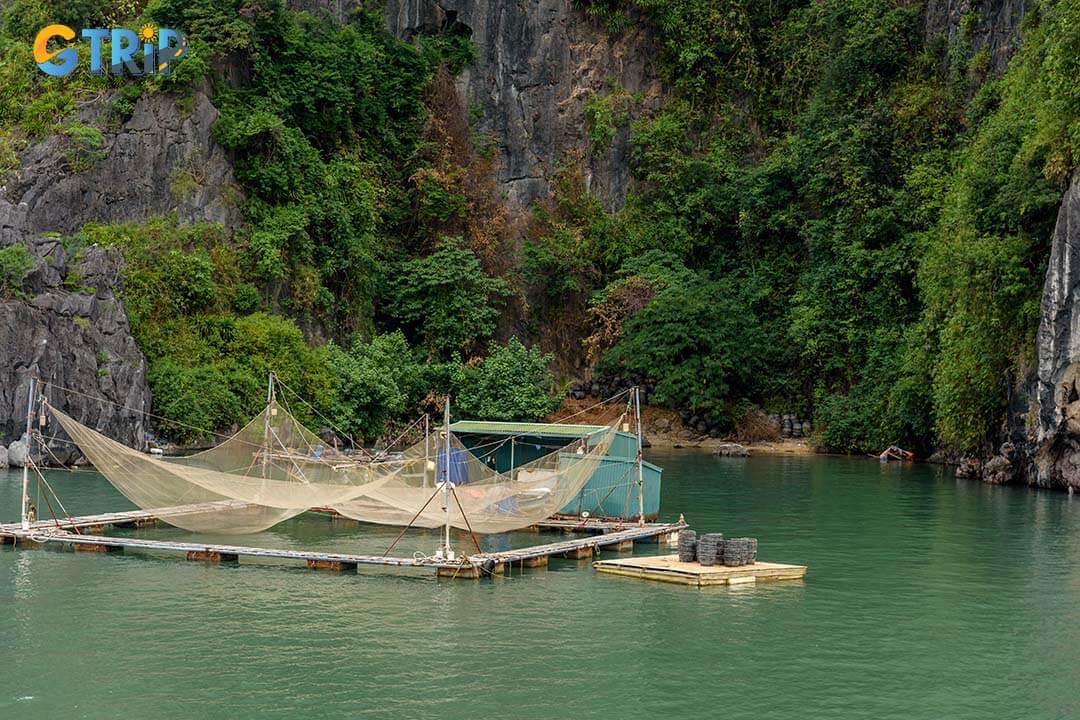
x,y
537,63
67,325
990,25
75,336
1056,428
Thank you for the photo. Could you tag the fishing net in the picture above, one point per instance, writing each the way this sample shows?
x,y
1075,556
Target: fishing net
x,y
274,468
482,499
271,470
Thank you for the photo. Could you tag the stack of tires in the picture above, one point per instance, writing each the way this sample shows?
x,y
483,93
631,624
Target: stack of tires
x,y
688,545
739,551
708,548
713,549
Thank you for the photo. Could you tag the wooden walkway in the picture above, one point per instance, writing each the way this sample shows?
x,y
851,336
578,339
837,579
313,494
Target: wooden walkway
x,y
129,518
470,566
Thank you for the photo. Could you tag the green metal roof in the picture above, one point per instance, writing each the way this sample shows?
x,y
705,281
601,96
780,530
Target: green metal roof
x,y
518,428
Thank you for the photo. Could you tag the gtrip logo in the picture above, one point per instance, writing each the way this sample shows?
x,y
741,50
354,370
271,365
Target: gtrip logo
x,y
124,45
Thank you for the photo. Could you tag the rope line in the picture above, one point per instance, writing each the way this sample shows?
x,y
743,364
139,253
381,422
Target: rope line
x,y
406,528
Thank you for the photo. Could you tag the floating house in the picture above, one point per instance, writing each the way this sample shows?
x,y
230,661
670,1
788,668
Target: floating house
x,y
612,490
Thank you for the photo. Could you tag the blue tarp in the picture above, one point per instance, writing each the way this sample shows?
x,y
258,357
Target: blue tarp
x,y
459,467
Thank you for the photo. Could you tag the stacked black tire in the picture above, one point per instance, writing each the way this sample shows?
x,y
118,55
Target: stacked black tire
x,y
708,548
688,545
739,551
713,549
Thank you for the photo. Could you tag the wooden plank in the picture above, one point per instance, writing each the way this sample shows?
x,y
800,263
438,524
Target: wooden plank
x,y
581,553
668,568
212,556
332,565
125,517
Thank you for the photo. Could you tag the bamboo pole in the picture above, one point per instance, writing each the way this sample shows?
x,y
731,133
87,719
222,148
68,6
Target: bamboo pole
x,y
24,507
447,550
266,423
640,471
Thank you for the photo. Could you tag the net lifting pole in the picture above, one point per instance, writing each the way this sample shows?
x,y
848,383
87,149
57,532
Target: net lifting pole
x,y
446,551
266,423
640,471
25,504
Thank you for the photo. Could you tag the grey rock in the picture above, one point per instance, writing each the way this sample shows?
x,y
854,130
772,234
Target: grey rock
x,y
996,27
998,470
731,450
3,457
1055,437
537,63
161,160
77,340
969,468
16,453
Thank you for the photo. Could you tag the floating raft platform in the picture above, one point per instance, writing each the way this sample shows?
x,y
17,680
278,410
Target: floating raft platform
x,y
668,568
86,534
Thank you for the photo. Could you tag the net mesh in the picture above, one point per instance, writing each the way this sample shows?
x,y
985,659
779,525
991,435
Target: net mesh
x,y
271,470
483,500
274,468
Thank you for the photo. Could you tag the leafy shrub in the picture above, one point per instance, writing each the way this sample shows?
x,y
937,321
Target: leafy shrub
x,y
699,341
84,146
604,115
246,299
512,383
209,372
189,278
375,381
447,299
15,262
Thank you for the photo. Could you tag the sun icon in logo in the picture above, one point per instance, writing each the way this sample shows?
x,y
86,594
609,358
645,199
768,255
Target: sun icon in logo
x,y
148,33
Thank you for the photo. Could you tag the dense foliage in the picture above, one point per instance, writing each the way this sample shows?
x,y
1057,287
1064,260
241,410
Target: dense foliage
x,y
833,213
869,209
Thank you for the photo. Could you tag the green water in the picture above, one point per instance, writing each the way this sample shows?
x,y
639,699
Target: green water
x,y
926,598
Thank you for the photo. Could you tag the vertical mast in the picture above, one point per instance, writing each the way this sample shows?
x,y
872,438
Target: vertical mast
x,y
25,510
266,422
640,472
512,439
427,444
449,554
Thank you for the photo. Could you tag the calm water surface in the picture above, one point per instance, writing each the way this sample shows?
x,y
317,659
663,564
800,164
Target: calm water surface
x,y
926,598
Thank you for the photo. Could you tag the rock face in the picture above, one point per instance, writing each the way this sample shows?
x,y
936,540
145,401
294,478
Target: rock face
x,y
1056,426
75,339
993,25
161,160
537,63
68,326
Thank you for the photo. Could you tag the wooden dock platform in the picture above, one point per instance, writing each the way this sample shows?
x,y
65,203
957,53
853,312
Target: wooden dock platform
x,y
66,532
127,518
668,568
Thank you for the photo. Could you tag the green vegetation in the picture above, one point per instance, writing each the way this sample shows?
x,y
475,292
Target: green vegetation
x,y
604,115
862,216
15,262
446,299
831,215
84,146
512,383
